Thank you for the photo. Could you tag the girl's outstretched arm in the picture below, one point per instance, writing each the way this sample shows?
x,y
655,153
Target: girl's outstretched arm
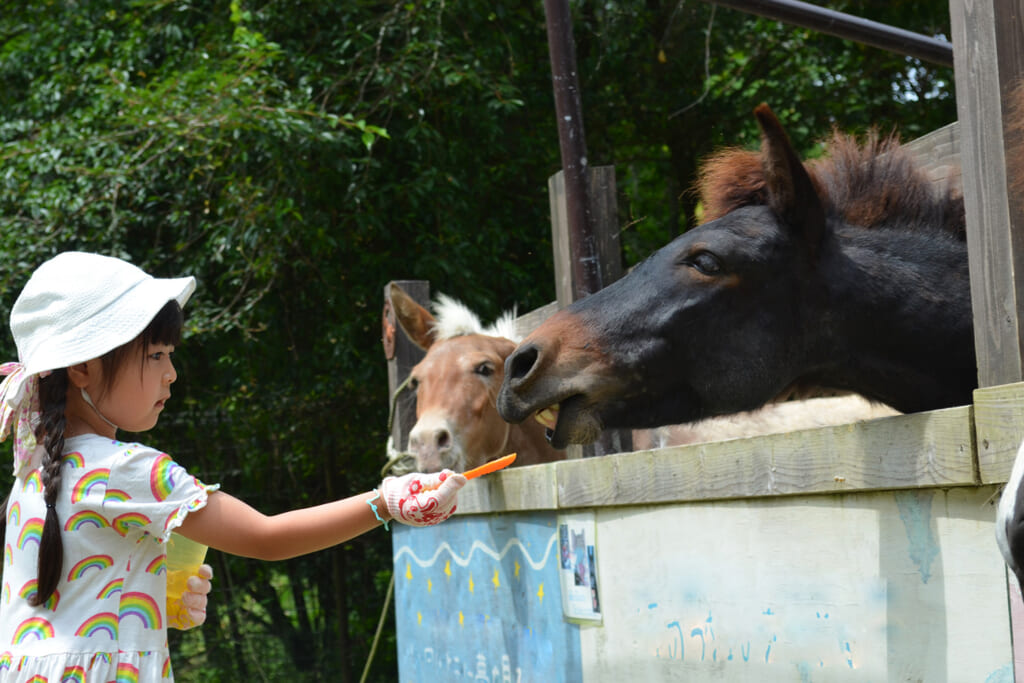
x,y
233,526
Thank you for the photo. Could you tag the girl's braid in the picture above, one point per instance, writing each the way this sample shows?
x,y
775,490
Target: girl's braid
x,y
52,397
3,518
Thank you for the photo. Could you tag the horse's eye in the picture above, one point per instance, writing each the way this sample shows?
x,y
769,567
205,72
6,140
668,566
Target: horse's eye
x,y
412,385
484,370
706,263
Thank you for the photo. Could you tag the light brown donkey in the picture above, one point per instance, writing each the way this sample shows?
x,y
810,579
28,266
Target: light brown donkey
x,y
456,384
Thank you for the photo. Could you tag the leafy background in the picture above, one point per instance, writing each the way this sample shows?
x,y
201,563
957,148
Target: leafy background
x,y
295,156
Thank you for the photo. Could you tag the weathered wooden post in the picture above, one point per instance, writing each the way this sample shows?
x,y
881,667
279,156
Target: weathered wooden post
x,y
584,211
988,56
401,354
584,264
989,63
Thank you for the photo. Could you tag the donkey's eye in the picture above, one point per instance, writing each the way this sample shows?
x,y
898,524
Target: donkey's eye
x,y
706,263
484,370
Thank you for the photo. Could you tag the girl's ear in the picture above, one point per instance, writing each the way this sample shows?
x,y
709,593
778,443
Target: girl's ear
x,y
78,374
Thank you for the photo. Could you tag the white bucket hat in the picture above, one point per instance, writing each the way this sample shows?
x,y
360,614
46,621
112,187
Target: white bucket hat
x,y
75,307
79,306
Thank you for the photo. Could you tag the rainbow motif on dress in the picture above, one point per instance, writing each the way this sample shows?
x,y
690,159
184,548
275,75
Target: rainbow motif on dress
x,y
171,518
104,622
14,514
73,674
143,606
110,589
80,520
33,481
116,495
124,523
6,594
76,460
31,587
33,627
89,481
166,671
99,562
99,656
157,566
126,673
197,503
8,554
161,476
5,661
32,531
37,679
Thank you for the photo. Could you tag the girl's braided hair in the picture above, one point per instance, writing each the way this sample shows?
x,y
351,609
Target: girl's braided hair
x,y
165,328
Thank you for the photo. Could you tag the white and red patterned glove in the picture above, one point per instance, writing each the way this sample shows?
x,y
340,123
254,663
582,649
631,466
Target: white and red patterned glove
x,y
421,499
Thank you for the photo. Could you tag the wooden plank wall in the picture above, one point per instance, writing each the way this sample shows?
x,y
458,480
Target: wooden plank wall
x,y
988,57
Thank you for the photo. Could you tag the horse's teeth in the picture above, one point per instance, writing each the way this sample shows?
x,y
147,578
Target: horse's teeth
x,y
547,417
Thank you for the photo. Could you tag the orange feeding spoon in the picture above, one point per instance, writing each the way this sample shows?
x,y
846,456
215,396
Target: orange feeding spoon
x,y
488,467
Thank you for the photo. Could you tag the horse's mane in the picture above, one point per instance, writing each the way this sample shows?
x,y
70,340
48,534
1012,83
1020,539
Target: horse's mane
x,y
867,183
454,319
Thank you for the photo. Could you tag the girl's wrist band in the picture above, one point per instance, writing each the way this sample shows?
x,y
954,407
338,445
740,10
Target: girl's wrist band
x,y
369,501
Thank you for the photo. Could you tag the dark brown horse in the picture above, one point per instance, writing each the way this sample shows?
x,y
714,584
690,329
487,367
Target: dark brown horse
x,y
849,273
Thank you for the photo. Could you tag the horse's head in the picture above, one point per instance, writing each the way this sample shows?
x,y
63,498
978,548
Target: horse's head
x,y
727,316
666,343
456,384
705,326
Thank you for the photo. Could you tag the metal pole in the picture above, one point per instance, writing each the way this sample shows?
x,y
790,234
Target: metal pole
x,y
849,27
586,271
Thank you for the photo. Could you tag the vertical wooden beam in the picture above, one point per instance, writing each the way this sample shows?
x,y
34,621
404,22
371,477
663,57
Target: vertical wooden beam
x,y
604,209
989,62
402,355
584,263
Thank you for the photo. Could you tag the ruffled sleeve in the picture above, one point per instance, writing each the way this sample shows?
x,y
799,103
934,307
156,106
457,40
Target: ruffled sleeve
x,y
144,492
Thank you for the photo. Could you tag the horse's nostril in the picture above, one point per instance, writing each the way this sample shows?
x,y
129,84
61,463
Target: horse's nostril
x,y
444,439
521,362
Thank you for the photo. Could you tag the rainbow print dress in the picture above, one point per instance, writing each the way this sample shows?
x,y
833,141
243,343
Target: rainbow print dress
x,y
107,620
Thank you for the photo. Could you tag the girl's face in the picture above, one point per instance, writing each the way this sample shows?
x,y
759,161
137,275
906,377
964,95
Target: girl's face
x,y
140,389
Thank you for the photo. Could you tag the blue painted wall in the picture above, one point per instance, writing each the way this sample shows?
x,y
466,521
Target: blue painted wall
x,y
479,599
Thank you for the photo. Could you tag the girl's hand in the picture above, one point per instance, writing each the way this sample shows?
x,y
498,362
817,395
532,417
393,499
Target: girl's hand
x,y
421,499
192,608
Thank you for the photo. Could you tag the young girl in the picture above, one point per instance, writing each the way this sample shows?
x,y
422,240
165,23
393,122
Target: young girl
x,y
87,520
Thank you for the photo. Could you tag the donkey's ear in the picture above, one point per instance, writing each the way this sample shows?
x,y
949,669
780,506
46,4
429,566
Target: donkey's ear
x,y
791,191
415,320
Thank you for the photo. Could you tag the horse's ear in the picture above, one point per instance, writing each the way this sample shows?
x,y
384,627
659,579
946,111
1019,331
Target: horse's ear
x,y
415,320
791,191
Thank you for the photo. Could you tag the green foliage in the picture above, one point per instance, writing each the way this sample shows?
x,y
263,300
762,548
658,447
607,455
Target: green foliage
x,y
667,84
295,156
